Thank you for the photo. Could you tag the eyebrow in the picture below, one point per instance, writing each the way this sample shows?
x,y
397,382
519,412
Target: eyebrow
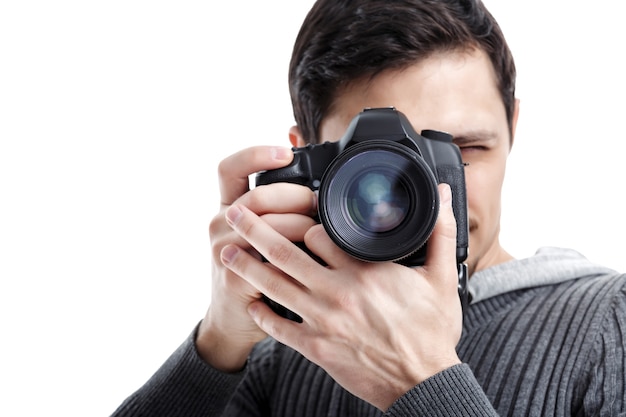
x,y
475,136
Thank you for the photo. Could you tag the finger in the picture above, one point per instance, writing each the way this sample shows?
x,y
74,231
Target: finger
x,y
280,197
293,226
441,251
233,172
286,207
296,201
263,276
276,248
281,329
317,241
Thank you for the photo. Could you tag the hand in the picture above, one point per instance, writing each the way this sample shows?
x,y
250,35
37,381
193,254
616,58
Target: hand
x,y
377,328
228,333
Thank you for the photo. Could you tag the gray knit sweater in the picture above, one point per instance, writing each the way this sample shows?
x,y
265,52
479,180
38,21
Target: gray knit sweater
x,y
543,336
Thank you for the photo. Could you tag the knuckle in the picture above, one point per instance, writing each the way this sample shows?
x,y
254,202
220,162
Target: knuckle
x,y
316,347
270,326
218,237
312,345
273,287
314,233
254,198
346,301
216,251
216,224
224,168
279,254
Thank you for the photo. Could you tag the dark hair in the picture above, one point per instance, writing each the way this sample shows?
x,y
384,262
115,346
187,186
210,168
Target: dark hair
x,y
341,41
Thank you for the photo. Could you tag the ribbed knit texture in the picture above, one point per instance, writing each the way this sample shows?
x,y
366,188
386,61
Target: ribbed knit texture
x,y
184,386
556,349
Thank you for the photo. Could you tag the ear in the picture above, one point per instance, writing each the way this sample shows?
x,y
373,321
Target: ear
x,y
514,120
295,137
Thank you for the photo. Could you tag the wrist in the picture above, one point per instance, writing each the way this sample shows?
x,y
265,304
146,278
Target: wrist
x,y
218,350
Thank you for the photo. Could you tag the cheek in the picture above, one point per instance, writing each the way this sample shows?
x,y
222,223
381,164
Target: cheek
x,y
484,187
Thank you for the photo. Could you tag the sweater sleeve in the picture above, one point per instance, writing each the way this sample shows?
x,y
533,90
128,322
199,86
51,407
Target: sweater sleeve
x,y
452,392
604,388
184,385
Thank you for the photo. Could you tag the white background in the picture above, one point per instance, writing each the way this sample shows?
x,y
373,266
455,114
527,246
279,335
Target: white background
x,y
114,114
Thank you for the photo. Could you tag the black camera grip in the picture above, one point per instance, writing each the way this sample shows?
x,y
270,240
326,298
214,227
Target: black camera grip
x,y
307,168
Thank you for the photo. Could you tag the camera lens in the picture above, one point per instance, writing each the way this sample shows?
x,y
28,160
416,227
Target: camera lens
x,y
378,201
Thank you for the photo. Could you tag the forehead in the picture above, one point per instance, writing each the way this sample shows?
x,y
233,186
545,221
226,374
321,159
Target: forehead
x,y
451,91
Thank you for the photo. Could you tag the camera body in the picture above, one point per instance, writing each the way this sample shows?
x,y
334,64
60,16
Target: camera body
x,y
377,187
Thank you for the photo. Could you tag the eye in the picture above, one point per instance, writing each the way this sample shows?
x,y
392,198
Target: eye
x,y
473,148
476,141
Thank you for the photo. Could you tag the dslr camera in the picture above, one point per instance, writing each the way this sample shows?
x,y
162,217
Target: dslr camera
x,y
377,189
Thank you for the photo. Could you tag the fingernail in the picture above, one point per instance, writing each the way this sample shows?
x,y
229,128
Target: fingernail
x,y
281,153
229,253
446,195
233,214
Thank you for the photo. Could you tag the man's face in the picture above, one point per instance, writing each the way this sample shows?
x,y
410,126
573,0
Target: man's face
x,y
453,92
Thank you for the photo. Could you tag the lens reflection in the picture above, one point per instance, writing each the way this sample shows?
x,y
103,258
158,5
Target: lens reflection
x,y
377,201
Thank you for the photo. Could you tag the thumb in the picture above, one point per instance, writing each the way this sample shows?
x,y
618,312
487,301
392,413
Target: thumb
x,y
441,251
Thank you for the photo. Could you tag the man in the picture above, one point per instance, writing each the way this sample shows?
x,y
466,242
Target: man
x,y
542,336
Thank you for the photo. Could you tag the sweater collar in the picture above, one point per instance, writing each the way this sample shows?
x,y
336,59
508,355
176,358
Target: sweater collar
x,y
549,265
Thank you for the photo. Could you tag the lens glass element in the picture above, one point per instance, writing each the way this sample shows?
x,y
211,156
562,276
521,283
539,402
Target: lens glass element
x,y
378,201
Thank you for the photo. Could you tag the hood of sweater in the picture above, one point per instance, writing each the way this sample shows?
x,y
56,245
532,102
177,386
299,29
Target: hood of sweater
x,y
549,265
